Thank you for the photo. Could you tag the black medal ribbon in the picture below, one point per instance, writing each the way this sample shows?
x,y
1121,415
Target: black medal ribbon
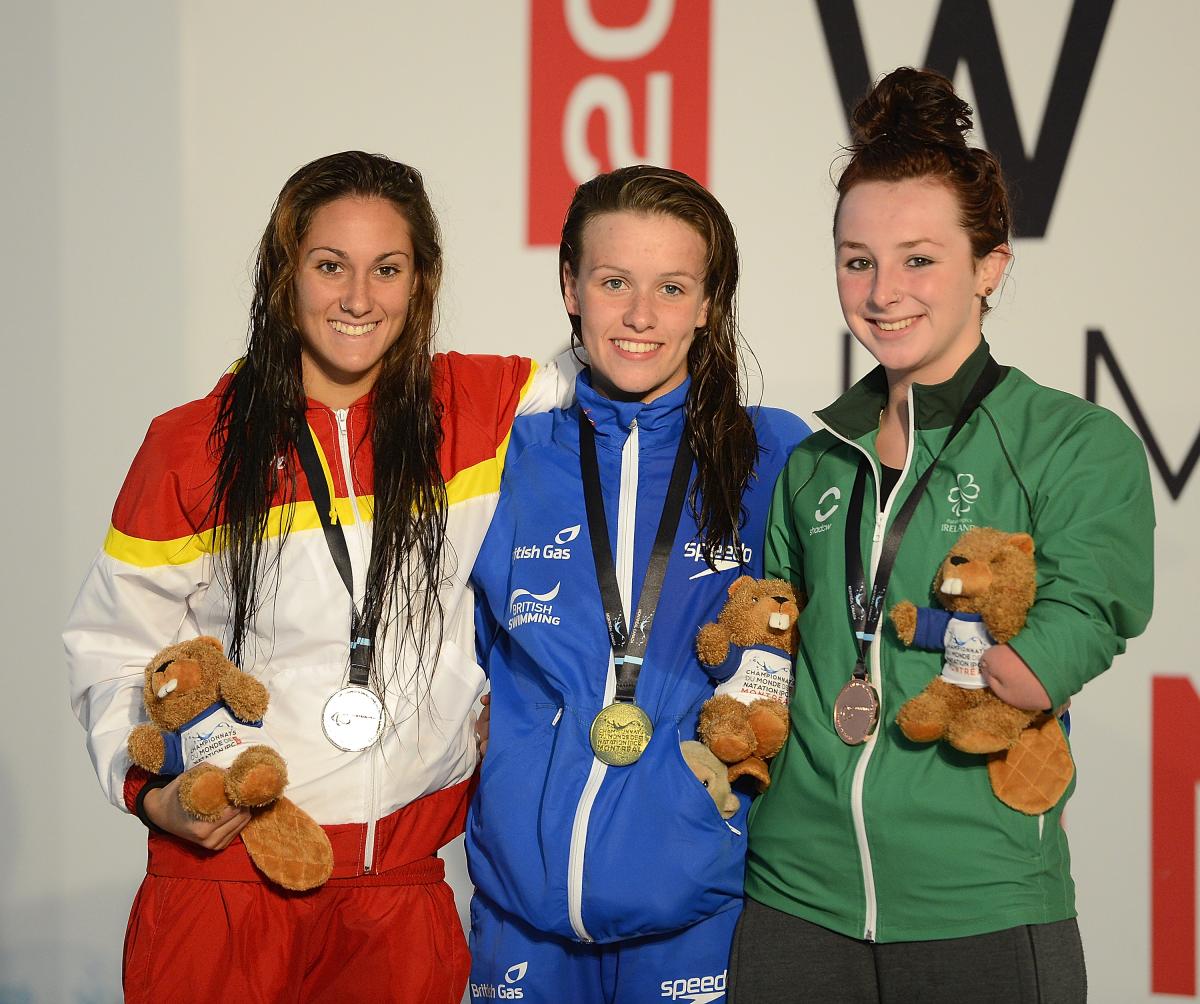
x,y
629,641
865,612
361,634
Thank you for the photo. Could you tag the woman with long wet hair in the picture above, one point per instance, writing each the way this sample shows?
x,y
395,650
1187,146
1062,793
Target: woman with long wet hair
x,y
319,512
882,869
604,871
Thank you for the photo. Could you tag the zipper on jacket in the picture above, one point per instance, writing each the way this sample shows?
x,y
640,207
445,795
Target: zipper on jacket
x,y
858,784
374,753
344,449
372,803
626,520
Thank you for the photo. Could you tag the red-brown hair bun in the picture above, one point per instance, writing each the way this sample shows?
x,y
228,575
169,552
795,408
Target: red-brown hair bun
x,y
913,125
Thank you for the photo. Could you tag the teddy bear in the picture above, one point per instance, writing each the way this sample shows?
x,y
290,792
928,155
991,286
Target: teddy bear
x,y
750,649
711,773
206,724
986,585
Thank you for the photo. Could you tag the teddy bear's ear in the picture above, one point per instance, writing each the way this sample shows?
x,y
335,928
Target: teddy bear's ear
x,y
207,639
1022,542
737,583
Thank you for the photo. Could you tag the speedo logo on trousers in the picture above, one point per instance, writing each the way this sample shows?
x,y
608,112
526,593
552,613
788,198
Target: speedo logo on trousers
x,y
505,991
694,989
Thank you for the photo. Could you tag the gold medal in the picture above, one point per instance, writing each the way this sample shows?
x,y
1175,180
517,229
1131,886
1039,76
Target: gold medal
x,y
620,734
856,712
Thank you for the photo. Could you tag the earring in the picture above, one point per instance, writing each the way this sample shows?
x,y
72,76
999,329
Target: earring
x,y
987,291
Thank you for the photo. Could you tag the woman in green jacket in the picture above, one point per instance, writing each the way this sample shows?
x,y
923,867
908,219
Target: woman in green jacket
x,y
880,869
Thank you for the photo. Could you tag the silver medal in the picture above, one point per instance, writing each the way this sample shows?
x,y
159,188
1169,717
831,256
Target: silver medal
x,y
353,719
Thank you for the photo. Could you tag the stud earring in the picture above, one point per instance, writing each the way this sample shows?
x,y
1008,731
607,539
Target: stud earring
x,y
987,291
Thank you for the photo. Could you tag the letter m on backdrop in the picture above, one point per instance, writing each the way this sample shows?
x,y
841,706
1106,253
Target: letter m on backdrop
x,y
612,83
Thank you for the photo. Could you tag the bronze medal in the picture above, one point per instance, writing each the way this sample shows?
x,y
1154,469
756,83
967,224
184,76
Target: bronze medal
x,y
856,712
620,734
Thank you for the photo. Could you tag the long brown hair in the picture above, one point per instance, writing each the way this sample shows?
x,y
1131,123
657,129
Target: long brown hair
x,y
262,413
721,433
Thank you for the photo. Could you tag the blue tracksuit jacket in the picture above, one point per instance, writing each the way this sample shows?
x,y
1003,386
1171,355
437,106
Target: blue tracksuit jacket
x,y
554,837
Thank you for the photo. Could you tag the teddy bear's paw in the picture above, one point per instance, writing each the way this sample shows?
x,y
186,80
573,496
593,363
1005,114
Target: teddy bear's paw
x,y
754,767
732,747
904,619
256,778
202,792
725,730
986,729
924,718
146,747
769,722
712,644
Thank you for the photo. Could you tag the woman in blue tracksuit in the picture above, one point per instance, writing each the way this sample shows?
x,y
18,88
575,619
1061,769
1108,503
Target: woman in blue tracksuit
x,y
599,879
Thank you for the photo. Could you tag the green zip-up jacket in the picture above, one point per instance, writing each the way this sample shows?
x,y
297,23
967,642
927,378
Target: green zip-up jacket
x,y
899,841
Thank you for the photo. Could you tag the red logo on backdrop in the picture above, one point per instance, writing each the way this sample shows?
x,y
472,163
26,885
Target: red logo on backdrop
x,y
612,83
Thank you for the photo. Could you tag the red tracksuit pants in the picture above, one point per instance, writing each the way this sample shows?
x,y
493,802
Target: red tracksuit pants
x,y
208,927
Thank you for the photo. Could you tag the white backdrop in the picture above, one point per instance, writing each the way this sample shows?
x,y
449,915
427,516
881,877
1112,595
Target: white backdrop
x,y
145,142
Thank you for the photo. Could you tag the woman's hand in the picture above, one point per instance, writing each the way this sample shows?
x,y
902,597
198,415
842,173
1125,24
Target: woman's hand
x,y
483,724
164,810
1011,680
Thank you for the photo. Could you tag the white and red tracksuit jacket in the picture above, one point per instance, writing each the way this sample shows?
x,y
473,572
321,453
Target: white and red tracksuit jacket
x,y
153,584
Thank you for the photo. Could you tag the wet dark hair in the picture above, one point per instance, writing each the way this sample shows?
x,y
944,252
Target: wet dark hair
x,y
913,125
721,433
262,414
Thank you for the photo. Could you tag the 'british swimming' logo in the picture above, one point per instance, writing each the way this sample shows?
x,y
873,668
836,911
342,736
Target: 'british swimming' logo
x,y
526,607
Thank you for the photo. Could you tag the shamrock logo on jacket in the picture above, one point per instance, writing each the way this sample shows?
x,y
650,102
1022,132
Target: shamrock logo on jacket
x,y
963,494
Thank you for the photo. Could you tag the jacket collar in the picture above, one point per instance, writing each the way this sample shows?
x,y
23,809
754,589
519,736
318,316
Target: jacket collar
x,y
660,421
856,413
